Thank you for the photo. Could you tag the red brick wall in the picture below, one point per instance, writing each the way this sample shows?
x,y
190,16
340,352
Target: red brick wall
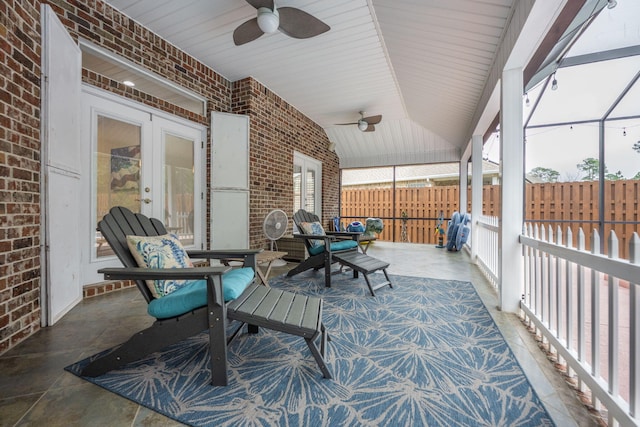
x,y
277,129
19,171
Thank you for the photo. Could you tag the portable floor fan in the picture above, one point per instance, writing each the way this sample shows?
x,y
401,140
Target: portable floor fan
x,y
274,226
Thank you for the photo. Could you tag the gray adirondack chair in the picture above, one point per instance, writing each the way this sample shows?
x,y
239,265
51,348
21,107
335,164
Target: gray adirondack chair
x,y
212,314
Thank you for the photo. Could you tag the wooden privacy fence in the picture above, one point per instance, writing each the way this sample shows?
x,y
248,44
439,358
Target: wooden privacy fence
x,y
568,204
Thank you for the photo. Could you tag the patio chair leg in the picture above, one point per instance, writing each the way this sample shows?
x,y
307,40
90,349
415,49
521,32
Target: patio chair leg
x,y
317,354
217,331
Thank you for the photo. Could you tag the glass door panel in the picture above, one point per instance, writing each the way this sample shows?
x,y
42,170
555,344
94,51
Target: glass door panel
x,y
310,192
297,187
179,177
307,184
144,161
118,162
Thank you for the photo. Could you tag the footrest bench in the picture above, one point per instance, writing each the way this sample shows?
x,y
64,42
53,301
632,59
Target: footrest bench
x,y
286,312
366,265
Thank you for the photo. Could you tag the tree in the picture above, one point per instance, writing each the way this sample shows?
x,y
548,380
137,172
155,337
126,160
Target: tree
x,y
637,176
591,167
614,176
545,174
636,146
571,176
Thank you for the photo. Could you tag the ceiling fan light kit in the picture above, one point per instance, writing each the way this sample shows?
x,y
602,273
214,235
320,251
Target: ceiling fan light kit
x,y
365,124
268,20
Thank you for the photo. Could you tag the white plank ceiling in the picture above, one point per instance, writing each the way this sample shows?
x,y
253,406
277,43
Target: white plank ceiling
x,y
422,64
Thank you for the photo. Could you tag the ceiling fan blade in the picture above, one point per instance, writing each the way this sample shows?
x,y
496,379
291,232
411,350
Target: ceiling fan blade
x,y
247,32
344,124
373,120
370,128
261,3
299,24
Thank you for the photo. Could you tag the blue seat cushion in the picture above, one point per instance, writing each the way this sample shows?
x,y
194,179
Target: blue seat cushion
x,y
194,294
335,246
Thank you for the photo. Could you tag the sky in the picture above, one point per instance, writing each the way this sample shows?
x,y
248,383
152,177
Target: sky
x,y
587,92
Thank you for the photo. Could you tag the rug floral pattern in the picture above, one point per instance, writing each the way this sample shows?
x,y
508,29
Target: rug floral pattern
x,y
424,353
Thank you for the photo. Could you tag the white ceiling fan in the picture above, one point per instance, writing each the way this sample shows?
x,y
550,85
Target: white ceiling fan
x,y
291,21
365,124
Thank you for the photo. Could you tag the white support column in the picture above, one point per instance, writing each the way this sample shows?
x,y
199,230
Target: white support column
x,y
464,179
476,192
510,259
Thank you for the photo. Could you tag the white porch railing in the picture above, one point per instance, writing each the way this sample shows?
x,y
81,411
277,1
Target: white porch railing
x,y
585,306
487,247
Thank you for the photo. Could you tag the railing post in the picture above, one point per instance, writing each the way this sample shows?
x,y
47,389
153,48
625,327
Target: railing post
x,y
543,279
569,297
559,299
536,273
476,191
552,285
634,332
613,319
595,314
582,344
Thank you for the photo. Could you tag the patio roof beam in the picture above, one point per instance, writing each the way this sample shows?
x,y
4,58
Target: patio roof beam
x,y
580,122
608,55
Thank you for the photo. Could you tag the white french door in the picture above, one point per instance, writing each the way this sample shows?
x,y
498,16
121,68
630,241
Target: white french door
x,y
143,160
307,184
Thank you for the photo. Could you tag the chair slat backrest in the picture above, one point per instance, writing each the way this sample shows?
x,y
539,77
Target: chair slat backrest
x,y
304,216
119,223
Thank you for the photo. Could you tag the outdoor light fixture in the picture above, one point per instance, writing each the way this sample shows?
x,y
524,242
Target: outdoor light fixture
x,y
362,125
624,131
268,20
611,4
128,83
526,100
554,83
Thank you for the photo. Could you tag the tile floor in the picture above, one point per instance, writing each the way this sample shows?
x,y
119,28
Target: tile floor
x,y
35,390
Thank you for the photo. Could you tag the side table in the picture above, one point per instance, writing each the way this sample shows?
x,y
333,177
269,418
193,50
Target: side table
x,y
263,258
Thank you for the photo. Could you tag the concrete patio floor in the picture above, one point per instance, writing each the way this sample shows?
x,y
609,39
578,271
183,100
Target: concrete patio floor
x,y
35,390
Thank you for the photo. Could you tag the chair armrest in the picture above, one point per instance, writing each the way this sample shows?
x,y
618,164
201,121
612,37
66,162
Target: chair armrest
x,y
139,273
314,237
248,255
222,253
344,235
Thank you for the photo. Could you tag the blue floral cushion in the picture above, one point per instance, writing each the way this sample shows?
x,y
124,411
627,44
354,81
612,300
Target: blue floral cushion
x,y
314,228
160,252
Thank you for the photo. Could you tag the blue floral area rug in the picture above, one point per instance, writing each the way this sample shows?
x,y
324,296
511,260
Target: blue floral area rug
x,y
425,353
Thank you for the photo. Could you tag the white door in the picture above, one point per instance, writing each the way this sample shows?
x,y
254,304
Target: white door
x,y
307,184
61,183
144,161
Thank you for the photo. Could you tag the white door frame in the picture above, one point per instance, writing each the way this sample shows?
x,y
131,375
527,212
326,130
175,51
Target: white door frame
x,y
309,163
